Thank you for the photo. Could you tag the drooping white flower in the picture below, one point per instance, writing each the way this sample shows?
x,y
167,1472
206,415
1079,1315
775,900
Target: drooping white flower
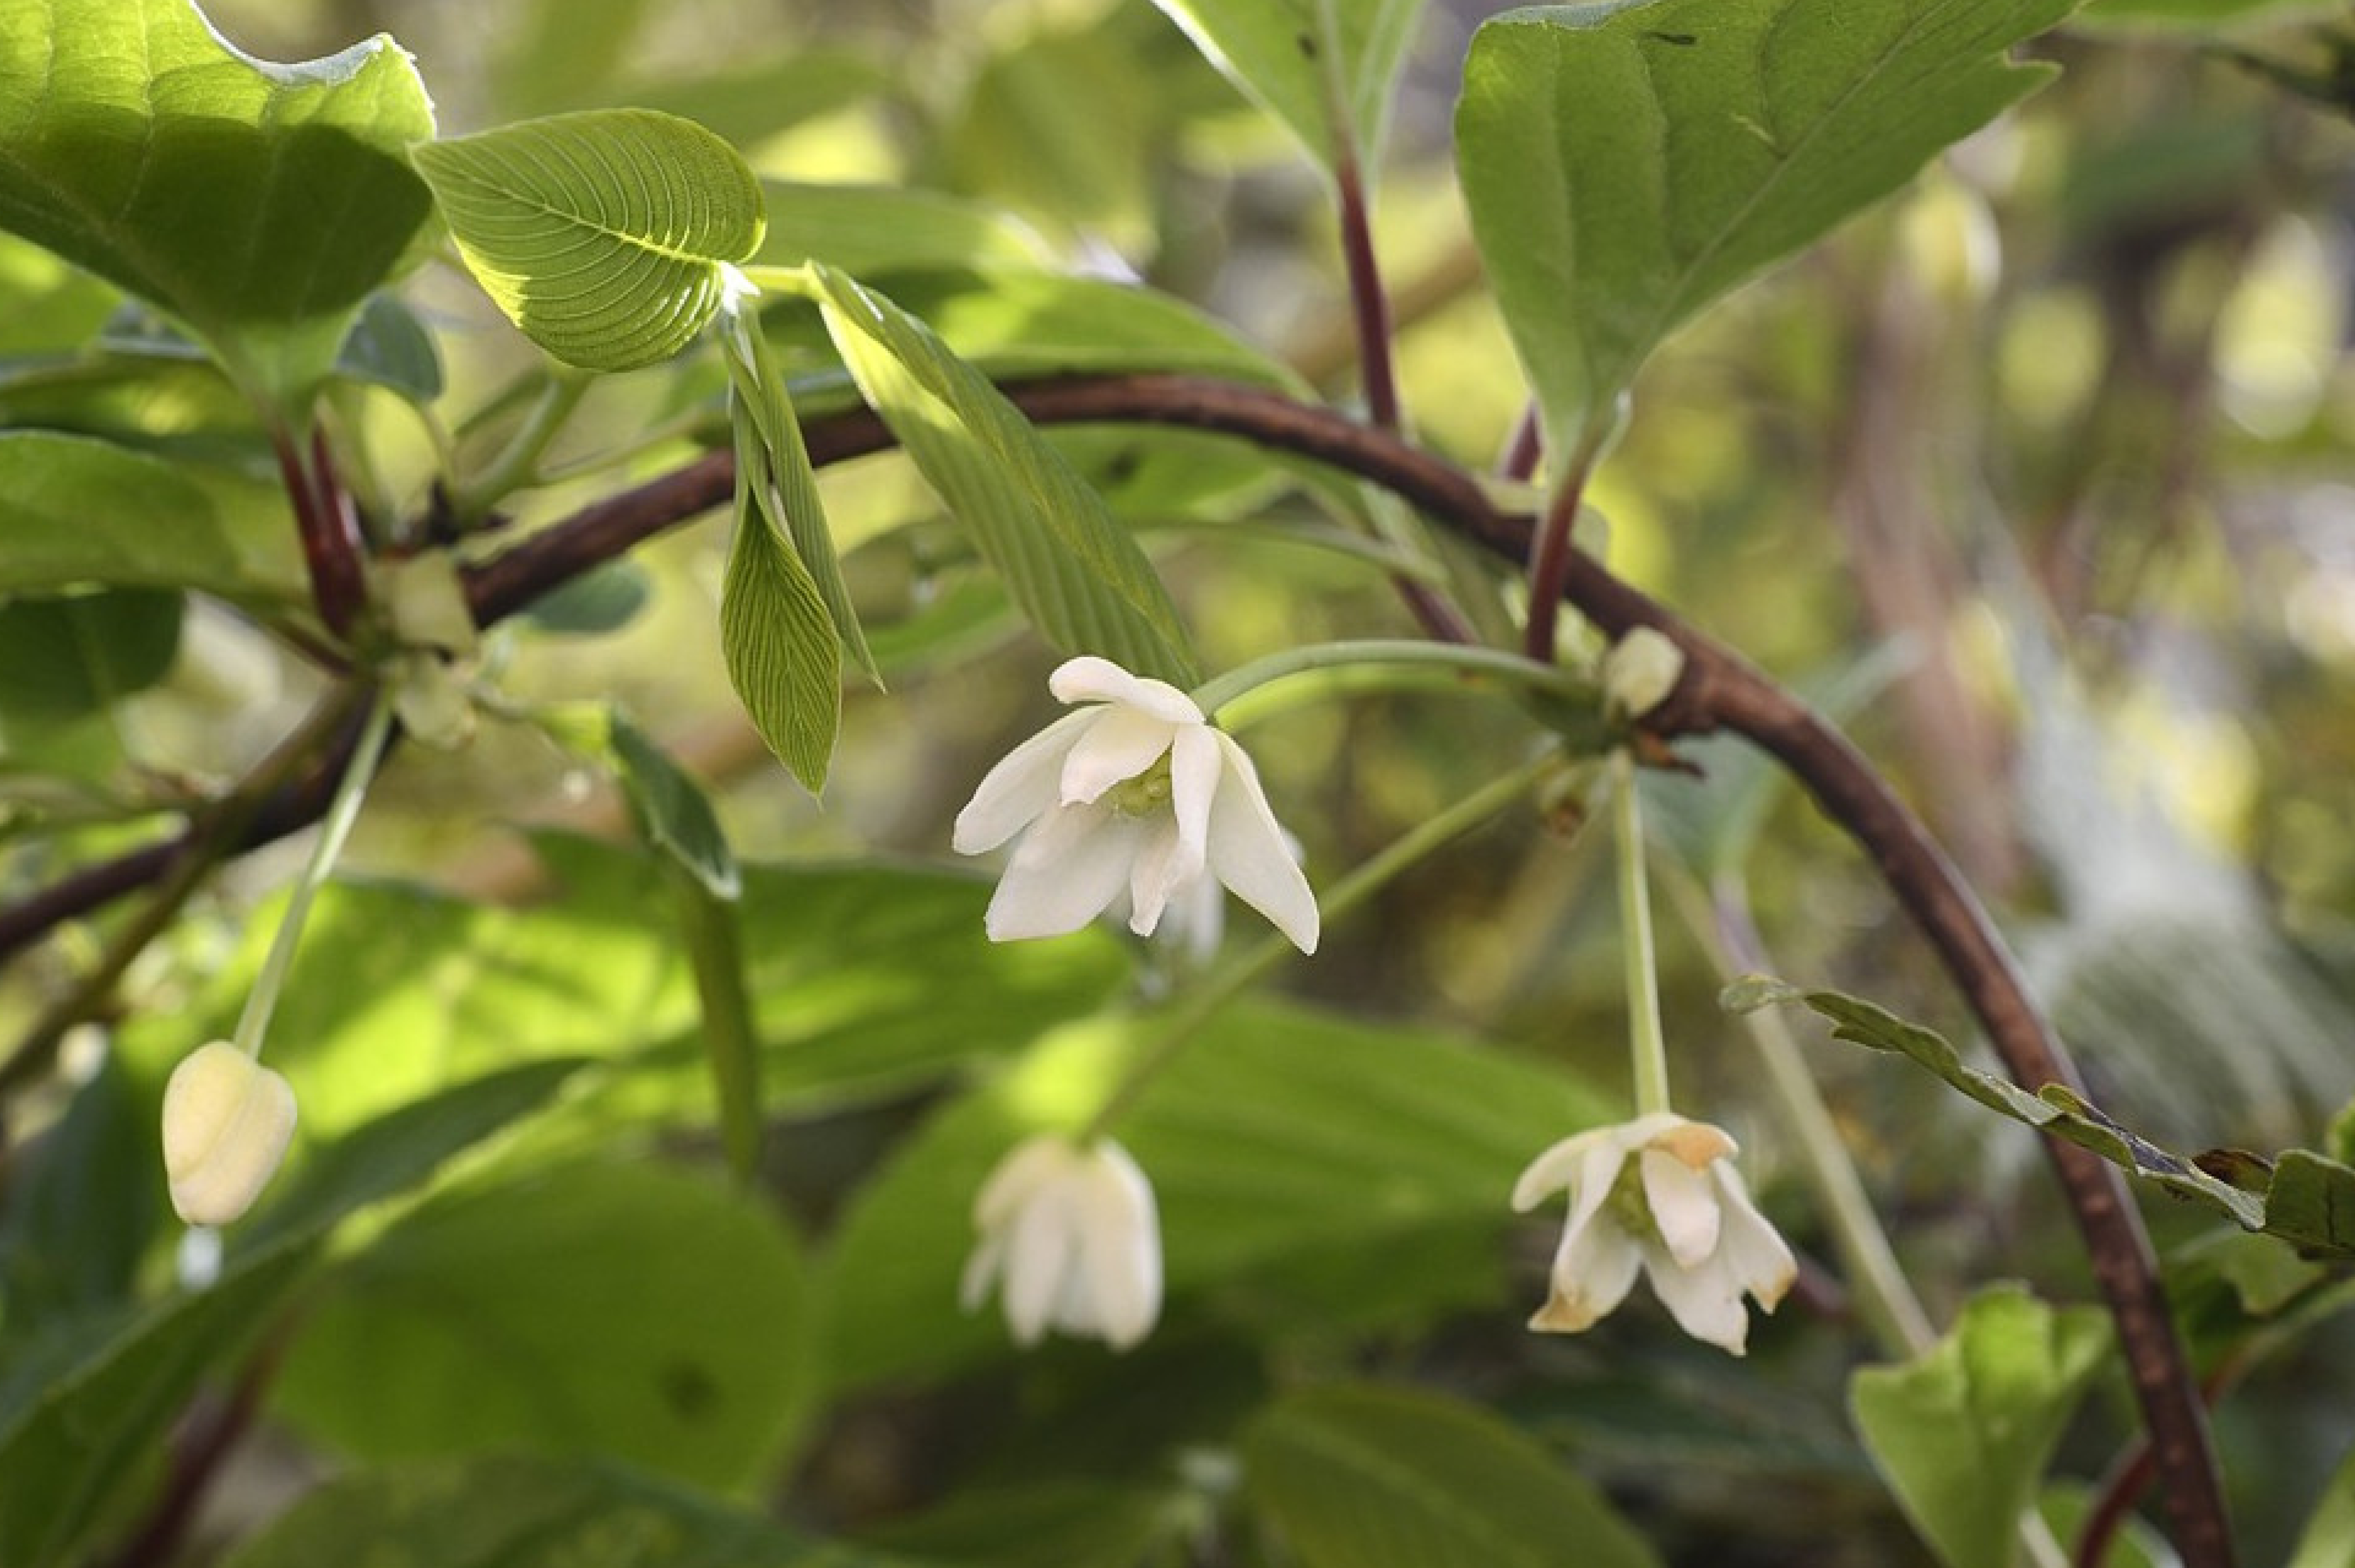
x,y
1135,793
1678,1211
227,1122
1073,1240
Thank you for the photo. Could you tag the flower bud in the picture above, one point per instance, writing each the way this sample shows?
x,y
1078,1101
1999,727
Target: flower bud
x,y
1640,672
227,1122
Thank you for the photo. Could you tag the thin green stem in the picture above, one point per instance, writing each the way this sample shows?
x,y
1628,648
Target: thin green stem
x,y
517,466
342,811
1647,1046
1370,877
1217,693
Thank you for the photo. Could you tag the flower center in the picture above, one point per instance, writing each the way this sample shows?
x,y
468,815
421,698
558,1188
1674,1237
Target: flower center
x,y
1144,794
1628,1206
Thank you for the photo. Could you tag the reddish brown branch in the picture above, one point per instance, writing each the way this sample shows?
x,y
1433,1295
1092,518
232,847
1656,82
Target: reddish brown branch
x,y
1718,690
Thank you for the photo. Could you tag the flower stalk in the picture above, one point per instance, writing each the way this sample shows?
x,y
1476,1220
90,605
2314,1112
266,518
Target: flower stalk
x,y
1647,1043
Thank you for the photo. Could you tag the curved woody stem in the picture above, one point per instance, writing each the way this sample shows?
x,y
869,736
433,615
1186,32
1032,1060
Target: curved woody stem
x,y
1718,690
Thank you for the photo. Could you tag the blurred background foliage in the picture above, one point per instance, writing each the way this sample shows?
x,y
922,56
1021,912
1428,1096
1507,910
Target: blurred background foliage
x,y
2042,473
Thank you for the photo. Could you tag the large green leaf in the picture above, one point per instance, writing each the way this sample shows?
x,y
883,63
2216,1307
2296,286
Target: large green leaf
x,y
1362,1476
529,1513
1280,1141
75,511
1324,68
634,1311
601,234
1081,579
874,230
1964,1433
1627,163
2328,1538
70,655
79,1416
257,203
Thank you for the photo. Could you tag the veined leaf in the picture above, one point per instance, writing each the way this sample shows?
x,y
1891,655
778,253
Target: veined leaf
x,y
1381,1478
1310,63
782,647
1627,163
1964,1433
600,234
1078,576
77,511
257,203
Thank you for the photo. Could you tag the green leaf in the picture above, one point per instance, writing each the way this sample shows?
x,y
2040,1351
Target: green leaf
x,y
257,203
2328,1540
82,1202
1626,163
1324,68
634,1311
1278,1135
65,657
1077,575
2052,1108
2311,1204
76,1418
672,813
1964,1433
389,347
605,599
601,234
876,230
1067,1523
1385,1477
529,1513
782,646
75,511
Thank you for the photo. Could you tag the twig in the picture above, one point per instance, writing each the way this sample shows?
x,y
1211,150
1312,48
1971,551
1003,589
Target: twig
x,y
1718,690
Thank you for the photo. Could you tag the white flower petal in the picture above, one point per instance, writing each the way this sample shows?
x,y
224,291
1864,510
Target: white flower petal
x,y
981,1269
1068,872
1088,679
1592,1271
1039,1261
1247,851
1118,746
1155,876
1683,1202
1705,1301
1035,1163
1022,788
1554,1170
1121,1247
1755,1254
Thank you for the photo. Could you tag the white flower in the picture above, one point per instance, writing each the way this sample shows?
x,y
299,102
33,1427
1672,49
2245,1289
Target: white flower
x,y
1071,1237
1680,1211
1135,793
227,1121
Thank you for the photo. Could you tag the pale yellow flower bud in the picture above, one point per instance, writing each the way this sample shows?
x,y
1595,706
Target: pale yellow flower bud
x,y
227,1122
1640,672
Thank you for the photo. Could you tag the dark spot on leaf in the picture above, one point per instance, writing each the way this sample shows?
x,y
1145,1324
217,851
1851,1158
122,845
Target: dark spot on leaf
x,y
1307,45
2237,1168
688,1389
1681,40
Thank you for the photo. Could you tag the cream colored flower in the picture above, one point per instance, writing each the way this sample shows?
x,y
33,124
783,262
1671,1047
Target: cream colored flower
x,y
1135,795
1070,1238
227,1122
1678,1211
1640,671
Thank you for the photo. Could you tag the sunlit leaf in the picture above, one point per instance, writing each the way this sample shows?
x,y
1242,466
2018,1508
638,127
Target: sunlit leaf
x,y
1628,163
260,204
601,234
1362,1476
1964,1433
1066,562
75,511
783,647
877,230
1324,68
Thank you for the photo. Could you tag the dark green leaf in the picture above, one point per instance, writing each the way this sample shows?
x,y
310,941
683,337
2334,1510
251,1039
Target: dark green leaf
x,y
390,347
2311,1204
1626,163
75,511
1964,1433
1385,1477
63,658
82,1202
1077,575
529,1513
603,599
2329,1539
673,812
260,204
633,1311
601,234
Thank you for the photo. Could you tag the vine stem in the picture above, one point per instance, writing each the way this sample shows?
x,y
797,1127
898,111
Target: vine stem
x,y
1222,689
1718,690
1415,846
